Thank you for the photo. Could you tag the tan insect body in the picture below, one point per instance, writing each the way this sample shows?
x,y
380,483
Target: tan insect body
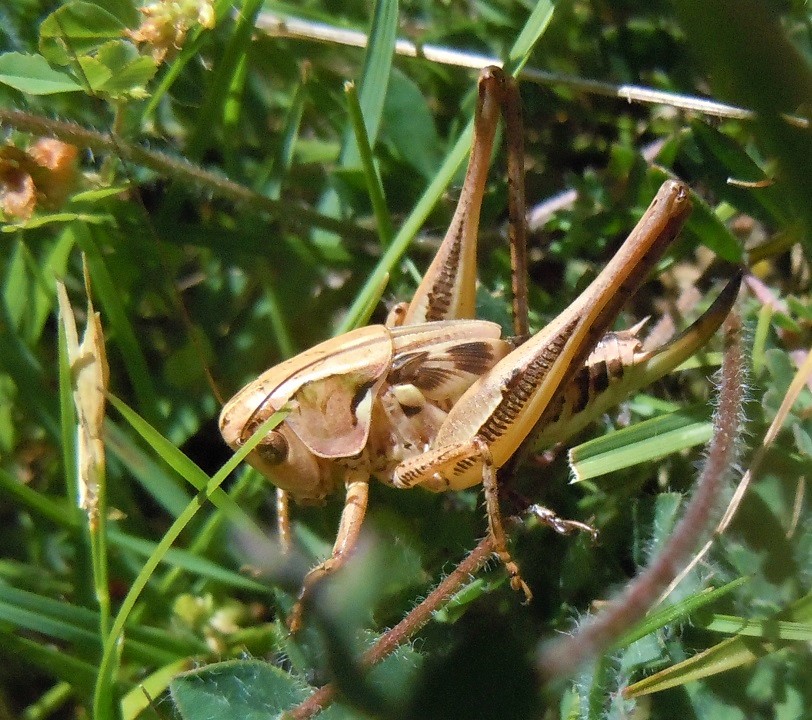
x,y
342,388
438,400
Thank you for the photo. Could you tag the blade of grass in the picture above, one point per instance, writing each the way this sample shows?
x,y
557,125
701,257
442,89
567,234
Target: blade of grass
x,y
50,659
644,441
152,686
102,695
279,327
68,632
18,360
765,629
373,180
48,703
276,168
729,654
375,284
28,293
76,623
209,533
59,629
181,464
232,111
164,487
38,503
678,612
373,85
760,337
374,76
528,37
187,560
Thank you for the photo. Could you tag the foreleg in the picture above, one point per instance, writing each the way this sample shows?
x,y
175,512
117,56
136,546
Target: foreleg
x,y
349,529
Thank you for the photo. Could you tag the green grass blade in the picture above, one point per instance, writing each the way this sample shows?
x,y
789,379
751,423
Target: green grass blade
x,y
49,702
371,292
188,561
645,441
77,623
211,531
164,487
102,698
53,660
273,172
21,364
211,112
373,180
374,76
373,84
36,502
677,612
531,33
55,627
729,654
181,464
765,629
140,698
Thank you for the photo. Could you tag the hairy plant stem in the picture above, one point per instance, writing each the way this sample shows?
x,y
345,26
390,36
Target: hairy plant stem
x,y
561,658
406,628
299,216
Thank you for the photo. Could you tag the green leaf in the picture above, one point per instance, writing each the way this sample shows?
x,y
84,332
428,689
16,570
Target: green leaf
x,y
185,467
677,612
25,293
188,561
721,159
53,660
141,696
764,629
245,689
94,73
76,29
64,621
33,75
370,172
129,71
109,293
408,126
372,88
706,228
751,61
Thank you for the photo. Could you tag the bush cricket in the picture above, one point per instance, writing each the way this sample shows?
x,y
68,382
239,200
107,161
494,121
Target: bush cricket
x,y
437,399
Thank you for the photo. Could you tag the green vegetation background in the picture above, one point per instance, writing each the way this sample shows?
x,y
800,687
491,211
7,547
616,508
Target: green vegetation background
x,y
195,276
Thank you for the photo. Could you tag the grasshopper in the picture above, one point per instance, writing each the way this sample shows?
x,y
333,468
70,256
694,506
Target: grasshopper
x,y
436,399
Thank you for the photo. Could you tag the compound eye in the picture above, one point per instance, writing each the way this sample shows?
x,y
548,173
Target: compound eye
x,y
273,448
